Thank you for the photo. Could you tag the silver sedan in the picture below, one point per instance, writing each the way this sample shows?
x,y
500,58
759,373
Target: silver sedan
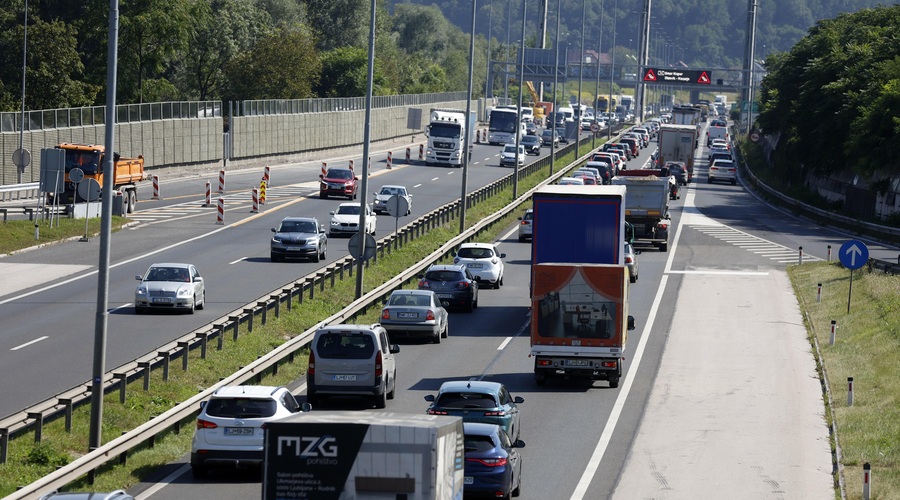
x,y
415,313
170,286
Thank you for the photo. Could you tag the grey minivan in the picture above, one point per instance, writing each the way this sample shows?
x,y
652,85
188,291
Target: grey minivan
x,y
352,360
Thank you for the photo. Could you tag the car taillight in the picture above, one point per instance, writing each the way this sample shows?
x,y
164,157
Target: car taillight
x,y
628,260
462,284
662,225
205,424
524,222
430,315
490,462
609,364
378,364
311,368
456,260
386,314
495,414
424,284
436,412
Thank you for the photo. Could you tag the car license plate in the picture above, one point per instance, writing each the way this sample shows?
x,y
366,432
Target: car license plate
x,y
345,378
408,315
474,266
162,300
576,362
468,480
444,296
239,431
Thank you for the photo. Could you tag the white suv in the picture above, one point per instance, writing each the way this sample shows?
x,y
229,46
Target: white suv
x,y
352,360
483,260
229,427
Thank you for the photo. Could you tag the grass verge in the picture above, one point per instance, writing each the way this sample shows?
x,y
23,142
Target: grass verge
x,y
28,461
19,234
867,348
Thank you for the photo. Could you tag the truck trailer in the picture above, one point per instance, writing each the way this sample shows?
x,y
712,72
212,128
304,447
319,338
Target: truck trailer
x,y
647,205
579,283
677,143
448,139
331,455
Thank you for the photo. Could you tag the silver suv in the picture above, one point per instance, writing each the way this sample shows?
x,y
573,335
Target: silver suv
x,y
299,237
230,425
352,360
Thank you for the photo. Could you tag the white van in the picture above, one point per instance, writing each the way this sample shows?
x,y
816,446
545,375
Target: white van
x,y
568,112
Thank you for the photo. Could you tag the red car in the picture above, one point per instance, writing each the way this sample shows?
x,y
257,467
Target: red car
x,y
338,182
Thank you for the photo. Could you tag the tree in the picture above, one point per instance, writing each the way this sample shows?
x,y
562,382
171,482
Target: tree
x,y
284,65
345,73
339,23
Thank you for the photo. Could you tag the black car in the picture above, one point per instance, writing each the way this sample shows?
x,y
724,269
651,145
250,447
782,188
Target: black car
x,y
532,144
678,171
299,237
530,128
454,285
561,132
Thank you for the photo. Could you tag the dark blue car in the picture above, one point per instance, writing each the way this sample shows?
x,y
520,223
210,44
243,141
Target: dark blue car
x,y
493,463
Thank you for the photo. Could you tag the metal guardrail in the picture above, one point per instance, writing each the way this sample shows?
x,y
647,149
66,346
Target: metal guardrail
x,y
25,191
172,419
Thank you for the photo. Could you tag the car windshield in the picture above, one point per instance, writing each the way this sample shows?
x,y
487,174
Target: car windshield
x,y
475,253
390,191
168,274
339,174
444,276
240,408
410,300
348,210
345,346
297,227
509,149
466,400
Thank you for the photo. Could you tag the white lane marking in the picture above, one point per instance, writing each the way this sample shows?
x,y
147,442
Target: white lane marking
x,y
144,495
504,343
123,306
417,185
236,261
435,178
721,272
581,488
26,344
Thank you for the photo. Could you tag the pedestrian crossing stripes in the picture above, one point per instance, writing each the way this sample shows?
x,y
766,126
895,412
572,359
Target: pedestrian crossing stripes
x,y
759,246
198,207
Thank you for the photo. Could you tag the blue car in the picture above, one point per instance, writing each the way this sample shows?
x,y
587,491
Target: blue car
x,y
478,401
493,464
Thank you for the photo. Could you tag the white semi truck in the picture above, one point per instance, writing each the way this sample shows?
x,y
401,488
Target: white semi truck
x,y
448,139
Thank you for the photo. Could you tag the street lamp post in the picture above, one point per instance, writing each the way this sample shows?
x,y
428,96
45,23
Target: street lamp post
x,y
580,79
519,110
506,66
551,121
597,89
612,64
467,150
488,81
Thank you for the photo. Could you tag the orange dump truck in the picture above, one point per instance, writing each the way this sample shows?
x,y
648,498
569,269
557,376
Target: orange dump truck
x,y
89,158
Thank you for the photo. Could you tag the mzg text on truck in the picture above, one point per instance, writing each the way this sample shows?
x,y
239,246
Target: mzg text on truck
x,y
579,283
90,158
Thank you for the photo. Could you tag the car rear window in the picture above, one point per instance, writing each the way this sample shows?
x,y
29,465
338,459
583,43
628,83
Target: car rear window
x,y
528,216
410,300
466,400
478,444
475,253
240,408
444,276
345,346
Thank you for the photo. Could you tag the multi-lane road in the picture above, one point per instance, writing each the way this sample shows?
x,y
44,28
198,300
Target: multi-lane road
x,y
716,330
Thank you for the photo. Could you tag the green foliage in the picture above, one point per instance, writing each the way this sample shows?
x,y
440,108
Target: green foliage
x,y
339,23
42,454
835,97
284,65
345,74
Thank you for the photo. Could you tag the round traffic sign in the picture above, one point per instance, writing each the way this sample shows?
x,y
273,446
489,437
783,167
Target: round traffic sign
x,y
76,175
21,157
369,246
853,254
397,206
89,190
595,127
754,136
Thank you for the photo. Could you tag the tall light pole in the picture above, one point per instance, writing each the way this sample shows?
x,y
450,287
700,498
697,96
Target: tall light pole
x,y
467,150
362,235
551,121
599,56
519,110
612,65
506,66
20,169
580,79
487,74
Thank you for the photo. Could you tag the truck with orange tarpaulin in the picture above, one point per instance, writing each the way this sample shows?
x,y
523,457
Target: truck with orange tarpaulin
x,y
579,283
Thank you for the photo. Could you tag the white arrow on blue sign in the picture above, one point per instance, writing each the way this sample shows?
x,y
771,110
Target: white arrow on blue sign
x,y
854,254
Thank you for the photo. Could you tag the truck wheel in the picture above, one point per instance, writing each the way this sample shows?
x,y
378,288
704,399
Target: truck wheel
x,y
613,382
132,201
540,378
663,247
381,400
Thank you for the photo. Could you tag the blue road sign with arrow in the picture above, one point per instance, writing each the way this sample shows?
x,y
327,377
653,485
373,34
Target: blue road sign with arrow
x,y
853,254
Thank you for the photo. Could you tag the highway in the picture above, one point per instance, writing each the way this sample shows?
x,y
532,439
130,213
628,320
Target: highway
x,y
579,439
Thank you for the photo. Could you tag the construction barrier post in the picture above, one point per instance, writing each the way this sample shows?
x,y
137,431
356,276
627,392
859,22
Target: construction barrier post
x,y
849,391
262,193
220,211
351,164
867,481
421,152
829,253
266,174
208,200
155,180
221,181
254,196
389,159
801,256
408,151
324,165
833,331
819,294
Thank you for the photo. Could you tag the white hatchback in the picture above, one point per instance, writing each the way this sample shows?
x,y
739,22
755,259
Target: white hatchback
x,y
483,260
